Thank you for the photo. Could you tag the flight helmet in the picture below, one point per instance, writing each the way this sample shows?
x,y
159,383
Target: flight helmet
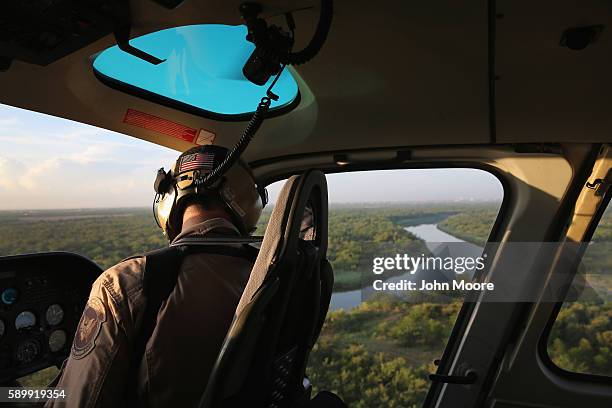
x,y
237,190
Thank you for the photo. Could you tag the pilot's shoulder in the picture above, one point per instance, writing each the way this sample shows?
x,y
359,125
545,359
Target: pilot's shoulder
x,y
123,282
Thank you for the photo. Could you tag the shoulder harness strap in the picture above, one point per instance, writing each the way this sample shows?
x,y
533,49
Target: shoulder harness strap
x,y
162,268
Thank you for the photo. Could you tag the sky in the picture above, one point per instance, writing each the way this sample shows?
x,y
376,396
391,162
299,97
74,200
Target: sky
x,y
48,162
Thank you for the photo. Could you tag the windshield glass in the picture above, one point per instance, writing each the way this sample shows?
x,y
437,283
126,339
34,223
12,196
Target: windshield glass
x,y
202,69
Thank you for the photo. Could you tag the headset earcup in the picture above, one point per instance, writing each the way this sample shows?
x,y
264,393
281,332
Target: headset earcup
x,y
163,181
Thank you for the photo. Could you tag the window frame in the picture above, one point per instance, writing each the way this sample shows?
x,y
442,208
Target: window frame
x,y
542,346
467,308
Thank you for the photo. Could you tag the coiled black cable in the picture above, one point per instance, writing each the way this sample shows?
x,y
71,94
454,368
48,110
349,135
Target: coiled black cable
x,y
252,128
290,58
313,47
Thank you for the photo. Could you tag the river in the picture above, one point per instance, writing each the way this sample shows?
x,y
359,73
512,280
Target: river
x,y
435,240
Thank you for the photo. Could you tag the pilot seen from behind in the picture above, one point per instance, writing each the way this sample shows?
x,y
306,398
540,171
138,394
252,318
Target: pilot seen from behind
x,y
112,363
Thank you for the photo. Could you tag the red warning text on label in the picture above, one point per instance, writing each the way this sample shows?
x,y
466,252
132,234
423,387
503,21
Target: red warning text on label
x,y
160,125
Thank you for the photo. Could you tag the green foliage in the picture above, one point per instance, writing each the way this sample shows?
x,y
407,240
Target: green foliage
x,y
377,354
105,236
361,353
370,358
110,235
40,378
364,379
356,237
581,338
423,324
472,226
357,234
603,233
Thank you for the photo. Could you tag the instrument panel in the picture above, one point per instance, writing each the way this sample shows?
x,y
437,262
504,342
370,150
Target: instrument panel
x,y
43,31
42,297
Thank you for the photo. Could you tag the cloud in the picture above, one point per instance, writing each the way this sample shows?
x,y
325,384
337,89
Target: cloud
x,y
14,175
8,168
74,183
9,122
37,174
47,162
94,153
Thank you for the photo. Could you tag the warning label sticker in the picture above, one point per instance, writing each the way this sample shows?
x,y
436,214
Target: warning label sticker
x,y
205,137
163,126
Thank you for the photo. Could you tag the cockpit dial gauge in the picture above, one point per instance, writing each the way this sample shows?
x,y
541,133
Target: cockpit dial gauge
x,y
25,320
54,314
27,351
9,296
57,340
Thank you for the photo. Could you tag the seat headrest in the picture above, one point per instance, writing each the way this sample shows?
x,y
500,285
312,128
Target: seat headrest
x,y
302,199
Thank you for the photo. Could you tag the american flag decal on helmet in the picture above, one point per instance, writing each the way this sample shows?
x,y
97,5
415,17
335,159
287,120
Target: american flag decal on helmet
x,y
195,161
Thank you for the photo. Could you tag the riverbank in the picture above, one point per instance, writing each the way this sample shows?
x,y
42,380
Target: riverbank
x,y
470,226
432,238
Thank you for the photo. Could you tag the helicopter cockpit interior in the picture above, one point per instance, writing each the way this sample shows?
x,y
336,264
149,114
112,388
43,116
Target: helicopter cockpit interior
x,y
308,92
43,297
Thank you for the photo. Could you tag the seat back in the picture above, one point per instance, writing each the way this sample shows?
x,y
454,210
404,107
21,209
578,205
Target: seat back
x,y
263,359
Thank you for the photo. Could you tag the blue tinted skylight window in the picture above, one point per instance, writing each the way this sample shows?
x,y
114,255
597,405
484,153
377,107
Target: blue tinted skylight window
x,y
203,69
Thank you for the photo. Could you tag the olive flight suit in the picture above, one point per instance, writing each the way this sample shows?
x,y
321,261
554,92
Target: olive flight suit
x,y
179,356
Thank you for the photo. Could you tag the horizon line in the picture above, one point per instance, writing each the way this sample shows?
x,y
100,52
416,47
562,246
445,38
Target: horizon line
x,y
140,207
